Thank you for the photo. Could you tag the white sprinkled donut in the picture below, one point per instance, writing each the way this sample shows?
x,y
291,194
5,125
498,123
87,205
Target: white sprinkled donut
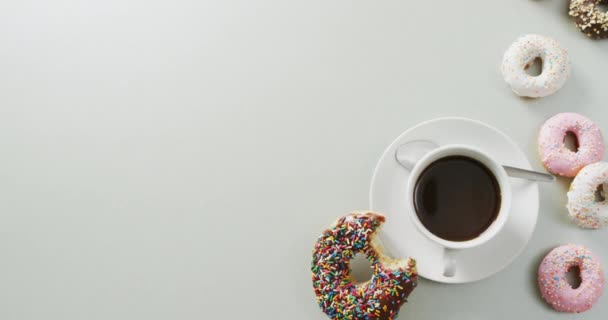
x,y
554,154
582,204
520,56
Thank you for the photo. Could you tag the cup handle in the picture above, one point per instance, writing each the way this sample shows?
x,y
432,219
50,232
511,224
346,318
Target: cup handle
x,y
409,153
449,263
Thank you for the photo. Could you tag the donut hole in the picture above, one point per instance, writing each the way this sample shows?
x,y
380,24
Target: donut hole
x,y
602,7
361,268
534,68
571,141
600,193
573,276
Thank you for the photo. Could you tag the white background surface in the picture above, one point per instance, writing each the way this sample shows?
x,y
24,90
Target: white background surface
x,y
178,159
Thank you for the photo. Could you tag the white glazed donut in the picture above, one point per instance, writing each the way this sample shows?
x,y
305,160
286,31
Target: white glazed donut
x,y
521,55
582,205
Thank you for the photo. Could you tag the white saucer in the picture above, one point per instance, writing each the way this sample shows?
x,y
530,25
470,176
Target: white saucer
x,y
403,239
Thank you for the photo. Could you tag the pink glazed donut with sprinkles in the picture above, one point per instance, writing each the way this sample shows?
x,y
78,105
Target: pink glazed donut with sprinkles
x,y
554,286
554,154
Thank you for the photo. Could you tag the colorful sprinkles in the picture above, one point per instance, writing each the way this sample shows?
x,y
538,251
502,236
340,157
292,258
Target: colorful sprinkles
x,y
337,294
554,286
592,21
583,207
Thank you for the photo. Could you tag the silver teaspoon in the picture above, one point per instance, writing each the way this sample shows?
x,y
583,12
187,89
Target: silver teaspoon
x,y
407,155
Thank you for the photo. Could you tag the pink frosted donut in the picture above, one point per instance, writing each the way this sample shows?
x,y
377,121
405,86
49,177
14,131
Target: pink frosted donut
x,y
553,153
556,290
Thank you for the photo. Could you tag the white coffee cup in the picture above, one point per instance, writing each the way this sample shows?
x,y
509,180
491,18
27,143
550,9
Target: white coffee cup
x,y
430,156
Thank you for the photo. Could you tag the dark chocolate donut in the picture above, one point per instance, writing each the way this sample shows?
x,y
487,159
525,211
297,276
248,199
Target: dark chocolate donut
x,y
592,21
338,295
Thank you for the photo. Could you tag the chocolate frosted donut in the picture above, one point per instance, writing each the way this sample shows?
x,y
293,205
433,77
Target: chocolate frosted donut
x,y
338,295
592,21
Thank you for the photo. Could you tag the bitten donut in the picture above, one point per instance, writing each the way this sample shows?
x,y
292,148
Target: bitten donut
x,y
554,286
337,294
589,18
521,55
554,154
582,204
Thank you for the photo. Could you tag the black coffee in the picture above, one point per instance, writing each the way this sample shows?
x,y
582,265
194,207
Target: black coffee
x,y
457,198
